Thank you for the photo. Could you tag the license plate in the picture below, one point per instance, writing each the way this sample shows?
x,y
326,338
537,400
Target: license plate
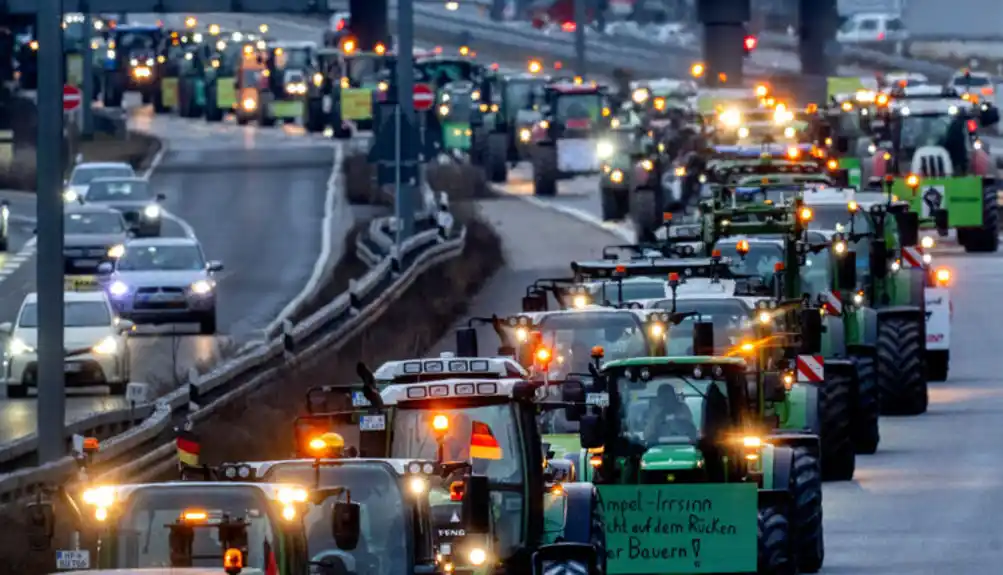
x,y
372,423
86,263
72,368
73,559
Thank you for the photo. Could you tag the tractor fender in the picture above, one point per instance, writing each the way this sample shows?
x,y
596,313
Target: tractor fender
x,y
579,501
835,337
783,465
809,396
901,311
845,367
575,459
794,440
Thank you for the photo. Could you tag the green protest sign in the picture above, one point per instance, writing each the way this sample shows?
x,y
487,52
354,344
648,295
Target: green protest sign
x,y
694,528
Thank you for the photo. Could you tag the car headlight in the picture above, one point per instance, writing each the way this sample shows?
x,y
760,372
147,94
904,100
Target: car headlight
x,y
118,289
69,196
604,150
18,347
116,252
152,212
107,346
201,287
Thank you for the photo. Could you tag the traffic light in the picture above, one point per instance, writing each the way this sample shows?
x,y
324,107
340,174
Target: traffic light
x,y
749,44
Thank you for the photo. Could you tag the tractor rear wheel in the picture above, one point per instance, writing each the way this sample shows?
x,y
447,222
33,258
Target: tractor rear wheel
x,y
901,367
938,364
986,239
545,171
866,433
807,497
776,554
836,396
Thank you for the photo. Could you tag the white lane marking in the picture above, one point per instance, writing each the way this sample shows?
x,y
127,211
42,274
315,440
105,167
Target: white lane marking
x,y
333,201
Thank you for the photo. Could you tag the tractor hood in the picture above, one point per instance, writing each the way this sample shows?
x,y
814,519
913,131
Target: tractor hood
x,y
671,458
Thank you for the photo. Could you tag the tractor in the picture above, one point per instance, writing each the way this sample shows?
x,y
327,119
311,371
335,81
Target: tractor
x,y
130,63
496,505
617,149
934,137
511,111
225,59
693,430
564,141
458,111
360,85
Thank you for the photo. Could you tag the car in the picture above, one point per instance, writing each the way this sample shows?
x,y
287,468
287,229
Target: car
x,y
131,196
975,83
91,234
83,174
163,280
867,28
96,339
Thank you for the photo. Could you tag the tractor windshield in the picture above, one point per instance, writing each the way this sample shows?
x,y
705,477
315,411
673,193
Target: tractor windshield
x,y
730,319
658,412
760,262
572,336
362,69
442,72
916,131
580,106
383,544
487,435
631,290
143,536
836,218
520,95
292,59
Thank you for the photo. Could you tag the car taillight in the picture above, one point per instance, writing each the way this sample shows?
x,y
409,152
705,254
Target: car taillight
x,y
987,91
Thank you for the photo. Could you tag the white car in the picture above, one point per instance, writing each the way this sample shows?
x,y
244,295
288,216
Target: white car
x,y
978,84
96,342
83,174
871,28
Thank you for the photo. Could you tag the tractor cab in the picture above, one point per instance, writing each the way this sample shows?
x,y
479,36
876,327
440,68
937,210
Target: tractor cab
x,y
439,70
130,62
565,139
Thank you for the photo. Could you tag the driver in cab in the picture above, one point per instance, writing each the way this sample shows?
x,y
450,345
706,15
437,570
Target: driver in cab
x,y
668,416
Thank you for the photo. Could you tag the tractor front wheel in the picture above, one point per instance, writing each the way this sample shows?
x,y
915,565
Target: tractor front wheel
x,y
985,239
901,367
545,171
807,499
839,457
866,434
776,553
644,213
495,161
614,202
938,364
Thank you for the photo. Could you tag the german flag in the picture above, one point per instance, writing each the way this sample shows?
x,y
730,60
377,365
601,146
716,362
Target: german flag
x,y
483,444
188,448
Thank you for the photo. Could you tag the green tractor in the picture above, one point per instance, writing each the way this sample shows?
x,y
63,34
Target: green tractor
x,y
617,149
457,109
893,275
496,505
934,139
795,332
845,132
221,76
320,110
511,111
364,78
693,476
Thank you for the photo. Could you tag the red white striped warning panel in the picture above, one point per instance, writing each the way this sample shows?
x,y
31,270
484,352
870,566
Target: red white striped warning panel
x,y
810,368
833,304
912,257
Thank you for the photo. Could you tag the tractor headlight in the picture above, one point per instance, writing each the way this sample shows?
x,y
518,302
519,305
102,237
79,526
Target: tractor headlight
x,y
605,150
151,212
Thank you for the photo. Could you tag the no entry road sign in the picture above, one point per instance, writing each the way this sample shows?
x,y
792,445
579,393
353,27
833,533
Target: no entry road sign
x,y
71,98
424,97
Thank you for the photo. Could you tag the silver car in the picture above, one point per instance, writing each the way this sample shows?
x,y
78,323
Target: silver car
x,y
83,174
163,280
91,235
131,196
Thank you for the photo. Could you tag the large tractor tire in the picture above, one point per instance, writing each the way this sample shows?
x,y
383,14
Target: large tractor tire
x,y
776,551
866,432
644,213
807,499
938,365
901,367
495,164
158,103
545,171
986,238
836,399
614,202
314,121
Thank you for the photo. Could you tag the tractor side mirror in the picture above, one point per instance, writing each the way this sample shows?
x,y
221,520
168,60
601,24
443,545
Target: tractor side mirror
x,y
811,331
41,524
590,431
573,392
466,342
846,270
534,302
879,259
989,116
476,508
773,388
703,338
908,225
842,144
345,525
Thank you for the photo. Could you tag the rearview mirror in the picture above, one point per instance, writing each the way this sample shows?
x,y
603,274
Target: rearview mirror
x,y
105,268
573,391
534,302
842,145
161,197
345,525
908,225
590,431
6,327
879,259
214,266
940,221
125,325
476,509
989,117
466,342
846,271
811,331
41,524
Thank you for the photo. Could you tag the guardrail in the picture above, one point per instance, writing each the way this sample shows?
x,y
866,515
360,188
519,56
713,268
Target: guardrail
x,y
139,442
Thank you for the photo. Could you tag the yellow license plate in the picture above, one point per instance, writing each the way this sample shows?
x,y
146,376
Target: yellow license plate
x,y
81,283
